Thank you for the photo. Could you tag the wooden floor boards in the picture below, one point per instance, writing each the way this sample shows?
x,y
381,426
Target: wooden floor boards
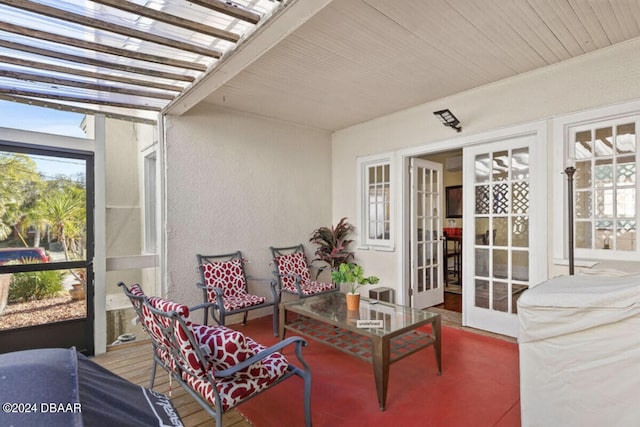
x,y
133,362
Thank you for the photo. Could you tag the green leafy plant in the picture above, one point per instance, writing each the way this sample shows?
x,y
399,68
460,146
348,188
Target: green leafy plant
x,y
353,275
332,243
35,285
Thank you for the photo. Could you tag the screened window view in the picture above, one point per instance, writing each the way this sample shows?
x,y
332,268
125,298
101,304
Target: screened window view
x,y
43,239
606,187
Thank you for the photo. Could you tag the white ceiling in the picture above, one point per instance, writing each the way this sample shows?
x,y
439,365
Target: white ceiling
x,y
356,60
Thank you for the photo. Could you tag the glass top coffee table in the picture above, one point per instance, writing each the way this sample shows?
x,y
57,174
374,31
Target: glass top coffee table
x,y
380,333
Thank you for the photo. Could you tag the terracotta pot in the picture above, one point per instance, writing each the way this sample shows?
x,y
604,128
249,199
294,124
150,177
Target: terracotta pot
x,y
353,302
77,291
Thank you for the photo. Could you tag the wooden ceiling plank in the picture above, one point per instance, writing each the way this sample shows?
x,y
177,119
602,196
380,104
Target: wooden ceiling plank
x,y
510,34
42,95
66,16
589,21
64,40
229,9
95,62
605,15
57,81
624,12
170,19
84,73
537,33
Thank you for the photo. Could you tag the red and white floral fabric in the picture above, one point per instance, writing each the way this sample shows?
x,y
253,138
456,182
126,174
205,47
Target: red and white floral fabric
x,y
229,277
235,389
222,348
150,325
296,263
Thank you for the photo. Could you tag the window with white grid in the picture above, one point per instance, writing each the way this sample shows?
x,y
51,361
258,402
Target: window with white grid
x,y
376,208
605,185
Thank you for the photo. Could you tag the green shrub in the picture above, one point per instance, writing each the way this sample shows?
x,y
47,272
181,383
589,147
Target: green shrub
x,y
35,285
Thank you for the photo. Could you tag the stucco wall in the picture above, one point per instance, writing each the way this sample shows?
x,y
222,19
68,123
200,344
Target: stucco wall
x,y
239,182
597,79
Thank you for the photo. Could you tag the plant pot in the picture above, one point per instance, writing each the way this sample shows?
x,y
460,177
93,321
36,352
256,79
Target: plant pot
x,y
353,302
5,281
77,291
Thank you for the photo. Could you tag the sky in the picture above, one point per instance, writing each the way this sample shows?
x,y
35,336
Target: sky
x,y
39,119
46,120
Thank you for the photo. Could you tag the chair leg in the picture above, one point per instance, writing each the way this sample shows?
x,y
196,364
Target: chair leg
x,y
244,320
153,372
276,318
307,399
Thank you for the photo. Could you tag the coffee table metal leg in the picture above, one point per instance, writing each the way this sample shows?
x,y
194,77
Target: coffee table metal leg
x,y
437,345
381,368
283,316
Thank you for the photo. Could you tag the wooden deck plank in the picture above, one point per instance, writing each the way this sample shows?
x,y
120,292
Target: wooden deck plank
x,y
133,361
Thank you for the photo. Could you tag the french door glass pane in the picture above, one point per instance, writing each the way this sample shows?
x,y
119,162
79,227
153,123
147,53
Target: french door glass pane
x,y
502,204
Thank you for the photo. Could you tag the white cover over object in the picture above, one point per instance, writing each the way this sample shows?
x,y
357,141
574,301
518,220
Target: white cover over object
x,y
579,342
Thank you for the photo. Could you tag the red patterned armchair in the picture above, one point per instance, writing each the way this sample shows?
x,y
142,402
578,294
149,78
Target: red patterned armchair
x,y
292,273
224,284
219,367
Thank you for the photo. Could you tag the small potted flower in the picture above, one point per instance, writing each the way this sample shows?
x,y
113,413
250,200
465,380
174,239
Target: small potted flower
x,y
353,276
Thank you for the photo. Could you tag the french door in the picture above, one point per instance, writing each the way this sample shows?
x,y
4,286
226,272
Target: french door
x,y
503,230
427,288
46,242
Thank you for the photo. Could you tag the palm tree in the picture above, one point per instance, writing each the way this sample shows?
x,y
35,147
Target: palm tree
x,y
64,211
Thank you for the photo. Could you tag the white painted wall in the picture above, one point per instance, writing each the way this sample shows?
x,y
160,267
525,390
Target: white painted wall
x,y
601,78
240,182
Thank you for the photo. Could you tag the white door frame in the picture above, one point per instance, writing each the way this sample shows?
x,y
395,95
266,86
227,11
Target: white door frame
x,y
403,223
435,295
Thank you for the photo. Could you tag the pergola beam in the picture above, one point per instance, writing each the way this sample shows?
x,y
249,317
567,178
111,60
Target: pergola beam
x,y
56,81
66,16
42,95
97,47
170,19
229,9
89,74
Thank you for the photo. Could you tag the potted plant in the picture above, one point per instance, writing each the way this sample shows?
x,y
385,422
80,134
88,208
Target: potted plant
x,y
78,288
353,276
332,244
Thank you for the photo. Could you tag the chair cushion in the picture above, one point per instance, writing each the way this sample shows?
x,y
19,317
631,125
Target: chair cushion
x,y
186,348
312,288
242,301
295,263
225,347
227,275
146,319
237,388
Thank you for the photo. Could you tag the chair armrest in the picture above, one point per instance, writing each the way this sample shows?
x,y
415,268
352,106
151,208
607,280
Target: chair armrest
x,y
319,270
295,276
219,292
257,279
201,306
299,342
